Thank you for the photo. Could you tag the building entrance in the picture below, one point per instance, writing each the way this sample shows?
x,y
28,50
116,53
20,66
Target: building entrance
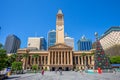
x,y
60,68
66,68
53,68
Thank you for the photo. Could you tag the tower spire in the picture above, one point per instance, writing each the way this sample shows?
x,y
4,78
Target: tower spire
x,y
59,11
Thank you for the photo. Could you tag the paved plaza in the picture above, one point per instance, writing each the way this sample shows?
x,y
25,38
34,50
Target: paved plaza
x,y
66,75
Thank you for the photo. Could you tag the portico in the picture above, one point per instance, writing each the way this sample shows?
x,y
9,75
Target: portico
x,y
60,56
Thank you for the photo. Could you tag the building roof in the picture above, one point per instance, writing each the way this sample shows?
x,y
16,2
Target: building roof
x,y
12,35
68,38
59,11
51,31
114,28
83,38
35,37
29,48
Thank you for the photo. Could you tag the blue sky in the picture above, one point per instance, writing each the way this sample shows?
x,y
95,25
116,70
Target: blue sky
x,y
24,18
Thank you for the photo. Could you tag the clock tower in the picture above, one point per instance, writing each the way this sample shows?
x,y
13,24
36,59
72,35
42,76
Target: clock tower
x,y
59,27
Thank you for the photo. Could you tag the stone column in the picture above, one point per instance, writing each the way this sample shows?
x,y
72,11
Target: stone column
x,y
71,57
52,58
49,59
55,57
92,60
85,59
88,60
82,60
64,57
67,57
75,59
46,60
78,59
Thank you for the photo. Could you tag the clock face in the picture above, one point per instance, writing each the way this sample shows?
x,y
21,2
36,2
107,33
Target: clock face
x,y
59,28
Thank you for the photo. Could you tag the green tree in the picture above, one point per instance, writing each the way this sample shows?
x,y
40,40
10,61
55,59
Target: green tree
x,y
11,59
115,59
16,66
92,54
100,58
84,54
3,59
34,67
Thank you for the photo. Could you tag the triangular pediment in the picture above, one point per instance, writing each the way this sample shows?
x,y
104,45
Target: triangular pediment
x,y
60,46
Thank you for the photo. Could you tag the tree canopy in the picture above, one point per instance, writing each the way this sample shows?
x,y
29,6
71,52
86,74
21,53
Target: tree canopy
x,y
3,58
25,55
11,59
17,66
35,55
115,59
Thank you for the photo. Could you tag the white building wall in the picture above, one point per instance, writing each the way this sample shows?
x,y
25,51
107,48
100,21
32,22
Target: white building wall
x,y
34,42
110,39
69,41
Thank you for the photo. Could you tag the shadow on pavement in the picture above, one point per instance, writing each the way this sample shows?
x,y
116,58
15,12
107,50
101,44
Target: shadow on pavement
x,y
13,77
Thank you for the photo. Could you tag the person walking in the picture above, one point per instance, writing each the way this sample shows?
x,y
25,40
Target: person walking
x,y
60,72
114,71
42,72
56,71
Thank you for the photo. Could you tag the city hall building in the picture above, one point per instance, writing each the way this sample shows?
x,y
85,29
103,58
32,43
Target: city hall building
x,y
58,56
